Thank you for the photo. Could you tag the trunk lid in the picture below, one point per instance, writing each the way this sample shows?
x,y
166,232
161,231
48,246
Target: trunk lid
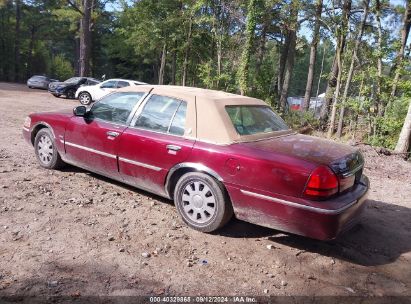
x,y
346,162
309,148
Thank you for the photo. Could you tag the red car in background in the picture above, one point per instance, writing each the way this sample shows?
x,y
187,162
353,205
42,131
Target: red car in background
x,y
215,154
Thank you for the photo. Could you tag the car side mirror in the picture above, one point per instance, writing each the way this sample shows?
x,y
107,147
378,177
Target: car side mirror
x,y
80,111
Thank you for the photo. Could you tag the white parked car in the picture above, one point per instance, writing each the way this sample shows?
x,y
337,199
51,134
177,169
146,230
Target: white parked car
x,y
88,94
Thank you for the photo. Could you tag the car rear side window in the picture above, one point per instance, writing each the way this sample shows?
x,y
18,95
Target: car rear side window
x,y
92,82
109,84
249,120
163,114
122,84
115,107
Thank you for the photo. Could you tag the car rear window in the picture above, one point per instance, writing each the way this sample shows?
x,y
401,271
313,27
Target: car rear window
x,y
249,120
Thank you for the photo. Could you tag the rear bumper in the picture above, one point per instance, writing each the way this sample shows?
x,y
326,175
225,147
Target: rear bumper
x,y
319,220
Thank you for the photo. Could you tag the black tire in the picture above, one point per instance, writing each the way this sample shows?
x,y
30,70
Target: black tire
x,y
85,98
46,151
190,185
71,94
56,95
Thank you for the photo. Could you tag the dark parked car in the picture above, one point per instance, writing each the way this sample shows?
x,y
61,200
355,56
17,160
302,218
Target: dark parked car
x,y
69,87
214,153
39,82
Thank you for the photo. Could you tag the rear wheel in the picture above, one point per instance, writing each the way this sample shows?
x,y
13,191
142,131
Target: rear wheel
x,y
84,98
56,95
202,202
46,151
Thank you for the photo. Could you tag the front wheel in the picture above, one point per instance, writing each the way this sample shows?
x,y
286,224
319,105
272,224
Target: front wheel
x,y
202,202
84,98
46,151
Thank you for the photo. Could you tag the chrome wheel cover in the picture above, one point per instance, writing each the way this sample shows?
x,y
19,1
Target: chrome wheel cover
x,y
198,202
45,149
85,98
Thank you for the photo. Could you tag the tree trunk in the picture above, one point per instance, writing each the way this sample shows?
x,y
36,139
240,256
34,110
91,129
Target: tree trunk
x,y
313,55
174,64
262,45
187,52
30,53
17,43
219,59
379,102
332,81
162,64
354,58
282,61
245,57
405,135
288,70
77,56
342,30
3,69
85,38
289,66
336,94
321,75
400,56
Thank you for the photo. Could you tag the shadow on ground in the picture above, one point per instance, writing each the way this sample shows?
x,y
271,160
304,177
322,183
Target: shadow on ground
x,y
381,237
383,234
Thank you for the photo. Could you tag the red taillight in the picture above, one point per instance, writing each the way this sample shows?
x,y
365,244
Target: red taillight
x,y
322,183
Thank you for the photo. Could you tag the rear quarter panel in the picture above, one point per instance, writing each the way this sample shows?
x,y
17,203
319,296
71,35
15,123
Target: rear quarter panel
x,y
253,170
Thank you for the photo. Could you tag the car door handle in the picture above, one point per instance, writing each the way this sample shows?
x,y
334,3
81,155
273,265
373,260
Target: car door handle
x,y
173,148
112,133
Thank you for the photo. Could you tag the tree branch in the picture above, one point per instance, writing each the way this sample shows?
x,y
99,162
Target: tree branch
x,y
75,7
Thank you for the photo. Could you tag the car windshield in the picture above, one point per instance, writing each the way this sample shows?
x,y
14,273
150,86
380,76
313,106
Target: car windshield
x,y
250,120
73,80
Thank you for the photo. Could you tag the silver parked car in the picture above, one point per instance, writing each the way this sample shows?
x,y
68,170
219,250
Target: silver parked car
x,y
39,82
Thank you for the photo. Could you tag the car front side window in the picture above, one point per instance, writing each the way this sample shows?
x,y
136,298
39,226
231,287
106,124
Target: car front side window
x,y
115,107
163,114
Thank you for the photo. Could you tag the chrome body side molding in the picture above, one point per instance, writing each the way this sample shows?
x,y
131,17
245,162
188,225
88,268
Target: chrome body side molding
x,y
90,150
116,178
136,163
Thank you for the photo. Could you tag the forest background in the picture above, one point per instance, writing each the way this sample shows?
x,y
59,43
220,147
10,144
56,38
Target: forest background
x,y
356,52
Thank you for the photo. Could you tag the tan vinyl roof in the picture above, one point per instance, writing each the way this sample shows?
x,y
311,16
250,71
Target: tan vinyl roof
x,y
207,119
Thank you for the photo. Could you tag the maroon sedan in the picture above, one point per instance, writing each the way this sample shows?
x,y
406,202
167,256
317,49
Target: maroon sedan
x,y
214,153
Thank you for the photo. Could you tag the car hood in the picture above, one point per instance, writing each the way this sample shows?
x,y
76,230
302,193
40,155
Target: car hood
x,y
61,114
308,148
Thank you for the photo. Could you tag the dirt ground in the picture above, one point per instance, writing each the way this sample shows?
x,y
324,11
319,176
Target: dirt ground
x,y
75,233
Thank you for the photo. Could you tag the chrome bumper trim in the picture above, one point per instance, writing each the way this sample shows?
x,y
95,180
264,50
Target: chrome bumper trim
x,y
291,204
